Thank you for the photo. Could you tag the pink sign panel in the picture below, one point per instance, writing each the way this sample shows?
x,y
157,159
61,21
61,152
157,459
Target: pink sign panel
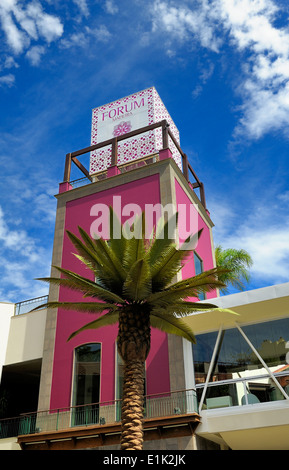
x,y
124,115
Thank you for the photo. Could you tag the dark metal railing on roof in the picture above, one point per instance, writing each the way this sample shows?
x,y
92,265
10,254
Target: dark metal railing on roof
x,y
27,305
166,135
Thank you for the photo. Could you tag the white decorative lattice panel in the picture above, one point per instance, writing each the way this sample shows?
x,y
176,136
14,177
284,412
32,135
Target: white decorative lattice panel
x,y
125,115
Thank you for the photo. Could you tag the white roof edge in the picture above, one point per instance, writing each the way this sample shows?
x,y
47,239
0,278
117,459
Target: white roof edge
x,y
251,296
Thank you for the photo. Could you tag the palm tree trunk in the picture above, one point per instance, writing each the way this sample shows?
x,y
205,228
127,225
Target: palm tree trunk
x,y
133,346
132,406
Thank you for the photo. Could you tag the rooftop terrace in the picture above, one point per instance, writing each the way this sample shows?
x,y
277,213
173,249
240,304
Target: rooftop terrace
x,y
168,142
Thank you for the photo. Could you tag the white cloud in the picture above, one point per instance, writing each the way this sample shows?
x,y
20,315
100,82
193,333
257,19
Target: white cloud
x,y
265,89
250,24
48,26
18,280
16,240
16,39
204,77
81,39
7,80
34,54
45,207
269,249
260,233
182,23
10,62
22,24
223,216
101,33
82,5
264,109
21,260
284,197
251,29
110,7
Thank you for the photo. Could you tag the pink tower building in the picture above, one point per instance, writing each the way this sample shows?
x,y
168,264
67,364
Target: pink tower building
x,y
135,162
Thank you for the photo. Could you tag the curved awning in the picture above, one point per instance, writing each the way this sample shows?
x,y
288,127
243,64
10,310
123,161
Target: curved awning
x,y
254,306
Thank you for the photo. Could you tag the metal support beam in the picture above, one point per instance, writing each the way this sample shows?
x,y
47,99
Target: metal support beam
x,y
67,169
114,151
165,134
185,167
211,368
262,362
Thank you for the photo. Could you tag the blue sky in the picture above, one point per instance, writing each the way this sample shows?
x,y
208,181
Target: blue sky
x,y
220,66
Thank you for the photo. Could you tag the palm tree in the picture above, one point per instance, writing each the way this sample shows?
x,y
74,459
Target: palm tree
x,y
235,264
133,286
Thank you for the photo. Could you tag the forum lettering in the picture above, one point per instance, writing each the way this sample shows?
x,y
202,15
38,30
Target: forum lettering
x,y
122,110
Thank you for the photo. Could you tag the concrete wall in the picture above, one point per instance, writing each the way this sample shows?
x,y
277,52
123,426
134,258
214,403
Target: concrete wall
x,y
6,313
26,336
9,444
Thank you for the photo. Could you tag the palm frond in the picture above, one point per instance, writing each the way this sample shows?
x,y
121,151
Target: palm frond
x,y
137,285
86,238
118,242
191,242
183,308
203,282
104,320
78,283
186,288
110,259
237,263
135,248
93,260
171,262
172,325
162,240
99,258
167,267
89,307
131,272
87,263
85,251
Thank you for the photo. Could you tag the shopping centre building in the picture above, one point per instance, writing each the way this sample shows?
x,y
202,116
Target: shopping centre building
x,y
229,391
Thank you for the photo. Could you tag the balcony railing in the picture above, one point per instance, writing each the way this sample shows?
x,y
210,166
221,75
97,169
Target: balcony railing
x,y
97,414
27,305
258,388
123,168
167,139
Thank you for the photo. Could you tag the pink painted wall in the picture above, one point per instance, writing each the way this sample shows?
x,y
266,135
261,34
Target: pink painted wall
x,y
204,247
141,192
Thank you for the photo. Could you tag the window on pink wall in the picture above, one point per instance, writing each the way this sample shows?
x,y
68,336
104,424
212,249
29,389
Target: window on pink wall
x,y
86,384
198,270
